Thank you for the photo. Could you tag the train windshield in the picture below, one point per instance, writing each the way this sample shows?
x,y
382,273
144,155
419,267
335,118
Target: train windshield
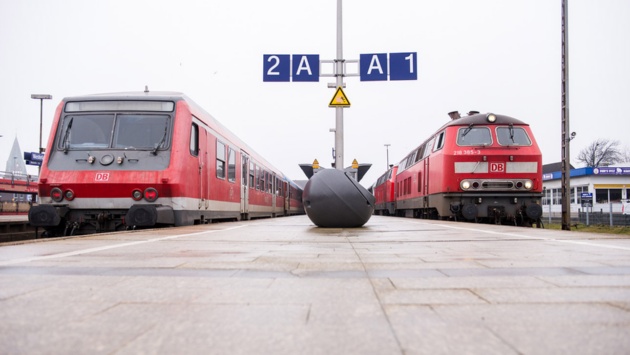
x,y
513,136
114,131
470,136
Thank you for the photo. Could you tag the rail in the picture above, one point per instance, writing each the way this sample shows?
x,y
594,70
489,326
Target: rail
x,y
16,176
18,183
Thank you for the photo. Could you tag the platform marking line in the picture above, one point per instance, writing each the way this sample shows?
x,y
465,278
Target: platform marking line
x,y
114,246
591,244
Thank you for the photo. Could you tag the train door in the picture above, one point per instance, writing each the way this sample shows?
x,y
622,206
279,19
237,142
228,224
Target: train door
x,y
204,179
286,197
274,194
244,183
425,183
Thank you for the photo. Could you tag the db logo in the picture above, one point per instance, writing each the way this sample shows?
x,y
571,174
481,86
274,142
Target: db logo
x,y
497,167
102,177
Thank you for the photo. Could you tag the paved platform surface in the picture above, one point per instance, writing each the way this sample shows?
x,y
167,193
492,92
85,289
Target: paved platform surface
x,y
283,286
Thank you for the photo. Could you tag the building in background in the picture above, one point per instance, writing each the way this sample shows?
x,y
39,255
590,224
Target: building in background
x,y
15,162
15,169
609,186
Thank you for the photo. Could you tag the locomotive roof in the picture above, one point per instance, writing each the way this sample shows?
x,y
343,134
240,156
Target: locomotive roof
x,y
480,119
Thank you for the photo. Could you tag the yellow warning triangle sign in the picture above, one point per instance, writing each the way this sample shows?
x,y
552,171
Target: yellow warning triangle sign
x,y
340,99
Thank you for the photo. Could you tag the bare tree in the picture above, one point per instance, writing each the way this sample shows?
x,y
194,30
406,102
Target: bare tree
x,y
601,152
625,155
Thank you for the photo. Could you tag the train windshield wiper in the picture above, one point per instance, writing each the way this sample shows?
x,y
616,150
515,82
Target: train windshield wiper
x,y
512,133
467,130
158,145
66,135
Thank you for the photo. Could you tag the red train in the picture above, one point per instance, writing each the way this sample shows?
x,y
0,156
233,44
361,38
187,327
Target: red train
x,y
119,161
482,167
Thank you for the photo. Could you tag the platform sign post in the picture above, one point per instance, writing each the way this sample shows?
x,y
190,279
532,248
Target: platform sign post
x,y
371,67
339,72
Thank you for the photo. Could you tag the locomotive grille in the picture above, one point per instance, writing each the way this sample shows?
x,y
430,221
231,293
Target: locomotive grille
x,y
497,185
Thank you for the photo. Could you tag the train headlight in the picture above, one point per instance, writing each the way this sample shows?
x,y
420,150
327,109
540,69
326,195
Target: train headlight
x,y
69,195
56,194
465,185
136,195
491,117
528,184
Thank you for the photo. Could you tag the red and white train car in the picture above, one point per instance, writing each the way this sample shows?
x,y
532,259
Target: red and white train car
x,y
482,167
385,193
118,161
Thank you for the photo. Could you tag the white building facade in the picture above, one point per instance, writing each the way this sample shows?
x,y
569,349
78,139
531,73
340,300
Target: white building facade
x,y
609,186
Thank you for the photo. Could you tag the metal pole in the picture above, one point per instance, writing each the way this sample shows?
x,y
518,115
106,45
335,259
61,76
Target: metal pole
x,y
566,156
610,209
549,202
387,148
41,115
339,73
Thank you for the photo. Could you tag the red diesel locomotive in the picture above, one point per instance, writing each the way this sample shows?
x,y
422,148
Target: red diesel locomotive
x,y
119,161
482,167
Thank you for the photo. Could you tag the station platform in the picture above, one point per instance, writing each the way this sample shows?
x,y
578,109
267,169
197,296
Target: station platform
x,y
284,286
15,227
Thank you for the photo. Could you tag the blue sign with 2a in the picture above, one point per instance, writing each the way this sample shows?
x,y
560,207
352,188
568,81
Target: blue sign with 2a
x,y
295,67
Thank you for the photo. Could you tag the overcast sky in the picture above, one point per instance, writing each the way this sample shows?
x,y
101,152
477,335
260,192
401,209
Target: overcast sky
x,y
486,55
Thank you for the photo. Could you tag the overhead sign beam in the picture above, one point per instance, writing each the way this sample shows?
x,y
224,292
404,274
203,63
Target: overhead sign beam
x,y
370,67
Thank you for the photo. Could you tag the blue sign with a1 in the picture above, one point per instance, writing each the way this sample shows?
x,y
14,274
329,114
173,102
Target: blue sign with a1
x,y
373,67
403,66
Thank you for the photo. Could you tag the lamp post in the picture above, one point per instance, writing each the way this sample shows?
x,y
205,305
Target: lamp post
x,y
387,149
41,98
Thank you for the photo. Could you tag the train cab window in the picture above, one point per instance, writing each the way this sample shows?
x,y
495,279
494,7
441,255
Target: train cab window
x,y
439,142
420,153
194,140
472,136
427,148
118,131
220,160
231,165
87,132
512,136
138,131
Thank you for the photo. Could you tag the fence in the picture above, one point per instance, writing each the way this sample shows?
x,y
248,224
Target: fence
x,y
600,217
